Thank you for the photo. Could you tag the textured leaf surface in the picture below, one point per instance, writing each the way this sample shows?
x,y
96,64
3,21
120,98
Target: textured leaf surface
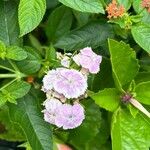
x,y
16,53
143,92
130,133
108,99
28,115
14,91
92,6
30,14
32,63
124,63
141,35
59,22
9,28
93,35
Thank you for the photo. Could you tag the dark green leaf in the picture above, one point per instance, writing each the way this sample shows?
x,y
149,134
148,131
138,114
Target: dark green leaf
x,y
142,77
32,63
59,23
9,29
80,136
93,35
28,115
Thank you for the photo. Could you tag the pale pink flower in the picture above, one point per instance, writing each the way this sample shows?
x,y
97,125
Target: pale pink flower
x,y
88,60
51,108
70,116
72,83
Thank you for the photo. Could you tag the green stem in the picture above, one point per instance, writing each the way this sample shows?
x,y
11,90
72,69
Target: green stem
x,y
3,67
8,75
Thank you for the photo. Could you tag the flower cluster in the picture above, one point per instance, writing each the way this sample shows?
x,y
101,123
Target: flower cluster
x,y
146,4
64,87
115,10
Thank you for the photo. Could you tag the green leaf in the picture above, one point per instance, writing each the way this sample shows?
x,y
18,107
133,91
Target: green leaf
x,y
28,115
59,23
124,63
9,28
108,99
91,6
141,34
30,14
142,77
2,50
145,15
125,3
93,34
8,130
16,53
143,92
32,63
15,90
80,136
130,133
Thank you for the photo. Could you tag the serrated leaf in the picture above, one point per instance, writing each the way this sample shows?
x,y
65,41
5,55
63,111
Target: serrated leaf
x,y
108,99
15,90
9,28
80,136
129,133
30,14
143,92
28,115
93,34
124,63
91,6
59,23
141,34
16,53
32,63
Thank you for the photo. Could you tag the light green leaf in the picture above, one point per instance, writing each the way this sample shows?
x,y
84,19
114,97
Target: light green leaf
x,y
141,34
80,136
2,50
30,14
124,63
143,92
28,115
125,3
32,63
142,77
9,28
108,99
91,6
15,90
129,133
59,23
93,34
16,53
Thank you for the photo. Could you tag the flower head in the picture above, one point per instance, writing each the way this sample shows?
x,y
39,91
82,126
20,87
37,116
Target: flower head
x,y
114,10
51,109
88,60
72,83
146,4
70,116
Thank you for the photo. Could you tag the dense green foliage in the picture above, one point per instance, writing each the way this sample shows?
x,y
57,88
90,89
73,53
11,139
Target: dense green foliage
x,y
32,31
